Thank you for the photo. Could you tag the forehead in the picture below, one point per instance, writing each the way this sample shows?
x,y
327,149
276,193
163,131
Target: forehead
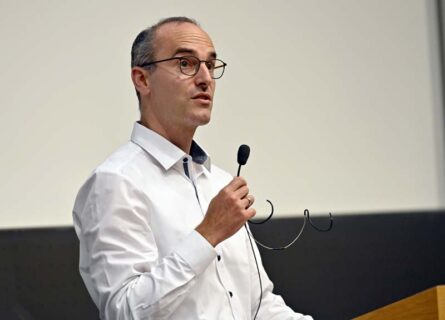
x,y
174,36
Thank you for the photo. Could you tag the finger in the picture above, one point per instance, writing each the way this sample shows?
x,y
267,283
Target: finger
x,y
250,200
250,213
247,202
236,183
242,192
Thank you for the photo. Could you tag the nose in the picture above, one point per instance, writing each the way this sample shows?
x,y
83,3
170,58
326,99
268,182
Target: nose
x,y
203,77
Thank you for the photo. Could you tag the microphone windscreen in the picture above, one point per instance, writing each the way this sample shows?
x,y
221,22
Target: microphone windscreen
x,y
243,154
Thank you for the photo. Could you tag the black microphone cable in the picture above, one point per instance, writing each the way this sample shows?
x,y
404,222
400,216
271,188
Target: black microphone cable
x,y
243,155
258,270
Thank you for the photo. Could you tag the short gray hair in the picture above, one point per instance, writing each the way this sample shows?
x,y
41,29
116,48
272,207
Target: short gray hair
x,y
143,48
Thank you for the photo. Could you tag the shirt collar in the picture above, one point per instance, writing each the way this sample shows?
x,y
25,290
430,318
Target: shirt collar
x,y
165,152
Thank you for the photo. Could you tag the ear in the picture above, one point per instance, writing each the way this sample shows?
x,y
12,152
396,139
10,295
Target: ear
x,y
140,79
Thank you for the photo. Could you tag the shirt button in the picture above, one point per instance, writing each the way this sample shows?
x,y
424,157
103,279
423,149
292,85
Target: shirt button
x,y
219,257
230,294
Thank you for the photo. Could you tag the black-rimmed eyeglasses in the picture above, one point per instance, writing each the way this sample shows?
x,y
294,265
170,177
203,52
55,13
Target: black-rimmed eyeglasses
x,y
189,65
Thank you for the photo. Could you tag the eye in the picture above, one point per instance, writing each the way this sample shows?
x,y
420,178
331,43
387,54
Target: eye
x,y
210,64
184,62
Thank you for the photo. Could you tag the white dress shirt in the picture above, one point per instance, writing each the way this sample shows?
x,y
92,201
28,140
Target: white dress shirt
x,y
140,257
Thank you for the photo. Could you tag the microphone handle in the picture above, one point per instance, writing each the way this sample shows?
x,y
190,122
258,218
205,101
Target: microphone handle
x,y
239,170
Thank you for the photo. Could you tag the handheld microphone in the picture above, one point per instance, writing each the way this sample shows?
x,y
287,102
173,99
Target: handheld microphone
x,y
243,155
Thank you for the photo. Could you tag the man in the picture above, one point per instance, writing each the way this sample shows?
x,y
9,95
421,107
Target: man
x,y
159,226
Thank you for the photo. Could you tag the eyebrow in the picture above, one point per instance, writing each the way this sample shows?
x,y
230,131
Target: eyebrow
x,y
191,51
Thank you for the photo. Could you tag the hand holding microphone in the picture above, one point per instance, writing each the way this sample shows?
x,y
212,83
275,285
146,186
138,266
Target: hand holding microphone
x,y
230,208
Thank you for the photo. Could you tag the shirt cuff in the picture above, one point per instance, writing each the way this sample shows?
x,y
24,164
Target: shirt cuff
x,y
196,251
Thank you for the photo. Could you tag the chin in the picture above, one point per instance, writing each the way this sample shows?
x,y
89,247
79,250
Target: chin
x,y
202,118
203,121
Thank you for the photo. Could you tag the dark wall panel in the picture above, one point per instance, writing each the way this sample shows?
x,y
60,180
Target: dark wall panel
x,y
365,262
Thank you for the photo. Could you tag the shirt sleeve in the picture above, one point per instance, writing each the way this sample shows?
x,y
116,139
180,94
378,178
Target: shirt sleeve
x,y
119,260
272,306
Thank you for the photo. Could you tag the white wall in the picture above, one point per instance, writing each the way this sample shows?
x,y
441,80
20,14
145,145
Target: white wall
x,y
339,100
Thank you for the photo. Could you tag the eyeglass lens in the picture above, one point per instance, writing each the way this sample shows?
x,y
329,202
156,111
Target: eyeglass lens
x,y
190,66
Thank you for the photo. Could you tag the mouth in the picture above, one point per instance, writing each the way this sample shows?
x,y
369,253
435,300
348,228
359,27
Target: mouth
x,y
203,97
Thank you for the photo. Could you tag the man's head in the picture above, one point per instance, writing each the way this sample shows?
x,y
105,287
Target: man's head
x,y
143,49
170,96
